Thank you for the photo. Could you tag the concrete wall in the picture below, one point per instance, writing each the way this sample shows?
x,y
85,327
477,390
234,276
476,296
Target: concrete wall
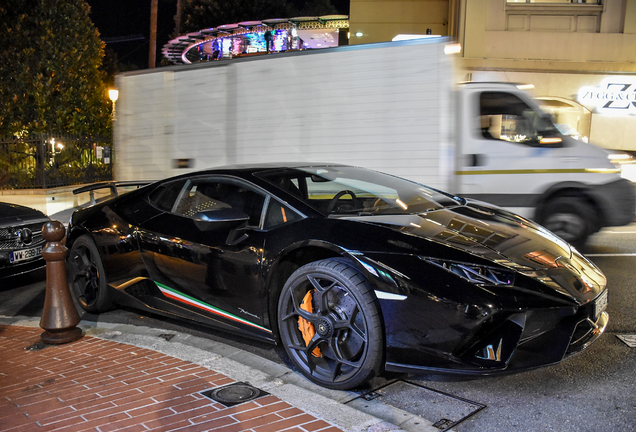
x,y
581,38
380,21
50,201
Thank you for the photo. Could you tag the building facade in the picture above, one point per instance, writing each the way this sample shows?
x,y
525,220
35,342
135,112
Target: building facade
x,y
579,55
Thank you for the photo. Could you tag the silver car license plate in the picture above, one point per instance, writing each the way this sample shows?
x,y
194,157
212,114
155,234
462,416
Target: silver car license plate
x,y
600,304
23,255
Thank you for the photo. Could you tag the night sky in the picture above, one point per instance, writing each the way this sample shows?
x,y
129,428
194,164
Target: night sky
x,y
121,18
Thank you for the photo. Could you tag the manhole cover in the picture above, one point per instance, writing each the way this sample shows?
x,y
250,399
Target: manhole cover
x,y
234,394
442,410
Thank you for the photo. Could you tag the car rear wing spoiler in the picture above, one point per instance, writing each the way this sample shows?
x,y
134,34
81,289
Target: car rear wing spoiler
x,y
112,185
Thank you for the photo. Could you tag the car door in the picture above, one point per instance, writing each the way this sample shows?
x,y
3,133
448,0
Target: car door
x,y
208,265
508,150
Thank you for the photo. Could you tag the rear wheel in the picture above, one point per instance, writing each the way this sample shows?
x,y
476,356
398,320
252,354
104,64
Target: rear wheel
x,y
87,277
330,325
570,218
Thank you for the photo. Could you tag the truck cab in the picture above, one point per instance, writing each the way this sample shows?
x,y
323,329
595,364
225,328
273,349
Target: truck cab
x,y
511,154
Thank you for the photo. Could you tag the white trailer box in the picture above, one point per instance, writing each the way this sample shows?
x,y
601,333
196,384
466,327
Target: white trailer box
x,y
387,108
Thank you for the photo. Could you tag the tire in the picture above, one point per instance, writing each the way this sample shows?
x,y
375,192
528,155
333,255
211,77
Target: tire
x,y
87,277
570,218
347,347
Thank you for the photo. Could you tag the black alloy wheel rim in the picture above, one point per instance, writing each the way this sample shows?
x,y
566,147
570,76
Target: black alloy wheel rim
x,y
340,325
85,276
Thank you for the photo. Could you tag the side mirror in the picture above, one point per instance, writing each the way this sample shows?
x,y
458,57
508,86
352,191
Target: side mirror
x,y
224,219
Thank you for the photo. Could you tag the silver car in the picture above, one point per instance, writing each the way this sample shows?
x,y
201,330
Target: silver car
x,y
21,240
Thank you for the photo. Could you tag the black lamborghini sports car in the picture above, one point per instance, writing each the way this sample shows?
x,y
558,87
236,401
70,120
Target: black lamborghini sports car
x,y
354,272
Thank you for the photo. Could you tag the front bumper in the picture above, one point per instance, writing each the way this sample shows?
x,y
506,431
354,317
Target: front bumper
x,y
7,269
523,341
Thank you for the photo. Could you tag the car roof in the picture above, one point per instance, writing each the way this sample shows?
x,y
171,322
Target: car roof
x,y
246,170
264,166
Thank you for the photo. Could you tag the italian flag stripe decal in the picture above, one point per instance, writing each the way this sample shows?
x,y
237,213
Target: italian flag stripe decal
x,y
190,301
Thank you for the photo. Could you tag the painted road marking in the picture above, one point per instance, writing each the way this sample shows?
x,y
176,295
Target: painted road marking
x,y
611,255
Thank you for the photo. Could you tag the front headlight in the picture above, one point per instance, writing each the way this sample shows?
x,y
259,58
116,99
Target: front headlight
x,y
626,163
620,158
474,273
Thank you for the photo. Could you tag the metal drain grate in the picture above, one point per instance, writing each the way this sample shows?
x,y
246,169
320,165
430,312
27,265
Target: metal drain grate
x,y
629,339
442,410
234,394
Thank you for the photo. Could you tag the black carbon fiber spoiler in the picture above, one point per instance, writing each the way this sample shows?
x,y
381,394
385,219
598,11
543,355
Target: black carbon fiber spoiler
x,y
112,185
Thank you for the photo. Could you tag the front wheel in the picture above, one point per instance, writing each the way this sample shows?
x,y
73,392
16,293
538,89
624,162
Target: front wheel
x,y
86,276
571,219
329,323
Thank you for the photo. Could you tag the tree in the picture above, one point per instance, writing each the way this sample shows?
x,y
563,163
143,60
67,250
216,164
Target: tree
x,y
50,77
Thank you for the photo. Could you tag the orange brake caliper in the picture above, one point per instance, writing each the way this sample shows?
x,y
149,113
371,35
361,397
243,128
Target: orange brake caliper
x,y
305,327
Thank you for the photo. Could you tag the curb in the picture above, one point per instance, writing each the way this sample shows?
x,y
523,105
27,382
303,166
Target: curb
x,y
341,408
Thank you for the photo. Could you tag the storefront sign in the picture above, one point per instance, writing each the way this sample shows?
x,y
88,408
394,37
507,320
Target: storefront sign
x,y
614,96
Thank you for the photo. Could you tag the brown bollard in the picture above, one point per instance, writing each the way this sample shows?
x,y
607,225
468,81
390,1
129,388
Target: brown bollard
x,y
59,317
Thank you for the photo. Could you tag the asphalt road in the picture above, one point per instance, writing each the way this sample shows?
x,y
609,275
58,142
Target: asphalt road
x,y
593,391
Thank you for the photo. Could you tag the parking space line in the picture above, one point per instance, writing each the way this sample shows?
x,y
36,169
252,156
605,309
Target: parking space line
x,y
611,255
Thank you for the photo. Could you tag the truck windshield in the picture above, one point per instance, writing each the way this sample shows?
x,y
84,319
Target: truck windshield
x,y
349,190
503,116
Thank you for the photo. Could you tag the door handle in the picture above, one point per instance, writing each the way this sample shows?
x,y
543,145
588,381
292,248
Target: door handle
x,y
475,160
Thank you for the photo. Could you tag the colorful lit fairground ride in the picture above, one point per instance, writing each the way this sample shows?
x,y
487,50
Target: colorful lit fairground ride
x,y
258,37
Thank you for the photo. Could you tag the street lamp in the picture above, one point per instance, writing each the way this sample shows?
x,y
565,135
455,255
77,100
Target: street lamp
x,y
113,95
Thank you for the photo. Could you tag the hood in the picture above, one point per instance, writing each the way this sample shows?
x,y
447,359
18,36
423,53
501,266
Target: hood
x,y
598,161
506,239
588,154
483,230
14,214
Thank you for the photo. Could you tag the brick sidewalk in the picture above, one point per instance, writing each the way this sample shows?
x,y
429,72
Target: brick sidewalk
x,y
100,385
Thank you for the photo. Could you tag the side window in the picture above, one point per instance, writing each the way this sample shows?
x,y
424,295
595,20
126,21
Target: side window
x,y
215,194
503,116
278,214
164,196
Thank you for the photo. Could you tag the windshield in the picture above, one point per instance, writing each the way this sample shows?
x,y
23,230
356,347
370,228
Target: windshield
x,y
503,116
348,190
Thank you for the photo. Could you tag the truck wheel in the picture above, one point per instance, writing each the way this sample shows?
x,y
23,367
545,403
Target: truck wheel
x,y
570,218
86,276
330,325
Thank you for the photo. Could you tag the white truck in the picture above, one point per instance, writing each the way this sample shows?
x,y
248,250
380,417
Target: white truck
x,y
393,107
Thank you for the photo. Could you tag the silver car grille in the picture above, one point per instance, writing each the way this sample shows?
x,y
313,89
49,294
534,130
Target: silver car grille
x,y
10,238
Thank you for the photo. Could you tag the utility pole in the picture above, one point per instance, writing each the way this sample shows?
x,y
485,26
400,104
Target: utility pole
x,y
177,19
152,54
